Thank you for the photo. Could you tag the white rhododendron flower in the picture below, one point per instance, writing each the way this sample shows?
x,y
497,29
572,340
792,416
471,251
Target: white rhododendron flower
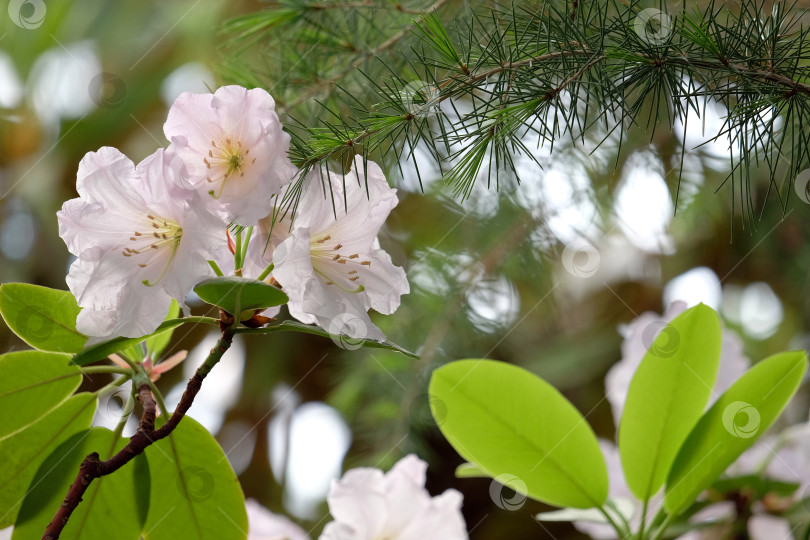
x,y
234,150
330,264
140,240
265,525
370,505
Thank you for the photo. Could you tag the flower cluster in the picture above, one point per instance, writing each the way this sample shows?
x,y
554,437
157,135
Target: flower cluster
x,y
146,234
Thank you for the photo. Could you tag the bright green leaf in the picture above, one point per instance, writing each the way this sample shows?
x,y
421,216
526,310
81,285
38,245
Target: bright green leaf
x,y
342,341
755,486
44,318
100,351
23,453
470,470
114,506
732,425
33,383
237,294
158,342
519,430
195,493
666,397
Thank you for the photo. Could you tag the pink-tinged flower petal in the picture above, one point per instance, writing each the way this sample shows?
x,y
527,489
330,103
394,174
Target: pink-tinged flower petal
x,y
265,525
441,519
167,364
765,527
140,241
339,531
368,505
358,501
111,306
233,148
405,485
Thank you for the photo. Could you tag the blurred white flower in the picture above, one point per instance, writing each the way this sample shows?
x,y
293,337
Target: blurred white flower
x,y
59,81
330,264
234,150
140,240
370,505
265,525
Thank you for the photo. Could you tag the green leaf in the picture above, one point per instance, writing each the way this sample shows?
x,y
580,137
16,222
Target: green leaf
x,y
158,342
342,341
732,425
515,426
195,493
44,318
755,486
666,397
237,294
33,383
470,470
23,453
100,351
114,506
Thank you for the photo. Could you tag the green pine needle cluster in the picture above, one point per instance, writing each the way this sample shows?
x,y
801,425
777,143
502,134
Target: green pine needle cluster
x,y
472,85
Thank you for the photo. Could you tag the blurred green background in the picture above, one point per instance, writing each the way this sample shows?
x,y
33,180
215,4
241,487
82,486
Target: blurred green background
x,y
542,274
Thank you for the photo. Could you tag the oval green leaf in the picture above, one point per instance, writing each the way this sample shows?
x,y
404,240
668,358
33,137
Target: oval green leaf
x,y
667,396
513,425
44,318
237,294
114,506
195,494
22,454
33,383
102,350
732,425
470,470
342,341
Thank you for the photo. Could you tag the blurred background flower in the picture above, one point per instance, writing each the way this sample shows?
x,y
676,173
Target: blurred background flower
x,y
541,275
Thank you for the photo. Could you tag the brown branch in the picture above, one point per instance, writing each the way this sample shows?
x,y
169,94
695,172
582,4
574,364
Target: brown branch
x,y
149,408
472,79
792,85
92,467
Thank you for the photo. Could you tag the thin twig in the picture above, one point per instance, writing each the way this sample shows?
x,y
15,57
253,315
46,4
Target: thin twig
x,y
387,44
475,78
92,467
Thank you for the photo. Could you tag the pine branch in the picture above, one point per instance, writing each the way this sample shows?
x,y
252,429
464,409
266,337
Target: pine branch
x,y
589,71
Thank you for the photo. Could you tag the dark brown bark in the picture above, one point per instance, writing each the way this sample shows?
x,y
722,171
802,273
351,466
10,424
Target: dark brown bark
x,y
92,467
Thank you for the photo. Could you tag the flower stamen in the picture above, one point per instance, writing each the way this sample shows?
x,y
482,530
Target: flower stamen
x,y
167,235
223,161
